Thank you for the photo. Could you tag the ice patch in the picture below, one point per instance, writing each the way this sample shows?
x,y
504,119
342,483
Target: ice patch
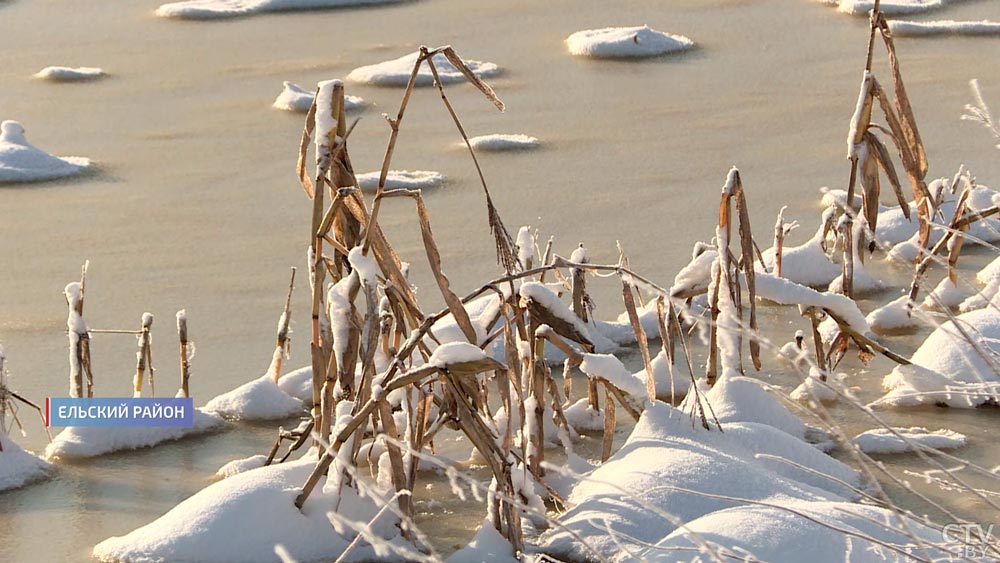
x,y
397,71
216,9
70,74
503,142
884,441
20,161
407,179
625,42
297,99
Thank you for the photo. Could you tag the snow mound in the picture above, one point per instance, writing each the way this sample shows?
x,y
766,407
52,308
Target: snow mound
x,y
662,465
70,74
948,369
582,418
216,9
503,142
260,399
90,441
743,399
298,383
820,532
611,369
625,42
944,27
894,315
806,264
238,466
258,509
947,295
297,99
884,441
889,7
19,467
408,179
20,161
397,71
488,546
813,388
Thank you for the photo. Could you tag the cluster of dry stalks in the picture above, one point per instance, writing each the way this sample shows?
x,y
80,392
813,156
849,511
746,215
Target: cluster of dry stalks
x,y
366,319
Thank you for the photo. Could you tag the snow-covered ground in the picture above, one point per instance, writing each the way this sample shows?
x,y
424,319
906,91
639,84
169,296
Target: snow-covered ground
x,y
90,441
667,472
949,369
19,467
70,74
297,99
625,42
216,9
397,71
20,161
251,513
259,399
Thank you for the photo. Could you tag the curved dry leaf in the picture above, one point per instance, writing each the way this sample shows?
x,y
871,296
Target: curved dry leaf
x,y
485,88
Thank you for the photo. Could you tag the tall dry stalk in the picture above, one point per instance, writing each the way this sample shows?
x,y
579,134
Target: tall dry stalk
x,y
182,337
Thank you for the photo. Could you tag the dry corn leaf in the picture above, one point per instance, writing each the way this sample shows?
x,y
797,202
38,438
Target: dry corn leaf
x,y
434,260
485,88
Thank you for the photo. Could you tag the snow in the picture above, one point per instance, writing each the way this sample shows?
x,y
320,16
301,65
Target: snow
x,y
892,316
671,384
696,275
987,230
625,42
70,74
452,353
813,388
488,546
91,441
798,531
297,99
257,507
503,142
862,281
945,295
298,383
259,399
784,292
886,441
890,7
947,369
326,122
667,455
856,150
545,298
397,71
582,418
743,399
216,9
893,226
238,466
944,27
408,179
19,467
806,264
612,370
20,161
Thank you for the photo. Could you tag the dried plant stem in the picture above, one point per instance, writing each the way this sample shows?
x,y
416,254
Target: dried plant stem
x,y
182,336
